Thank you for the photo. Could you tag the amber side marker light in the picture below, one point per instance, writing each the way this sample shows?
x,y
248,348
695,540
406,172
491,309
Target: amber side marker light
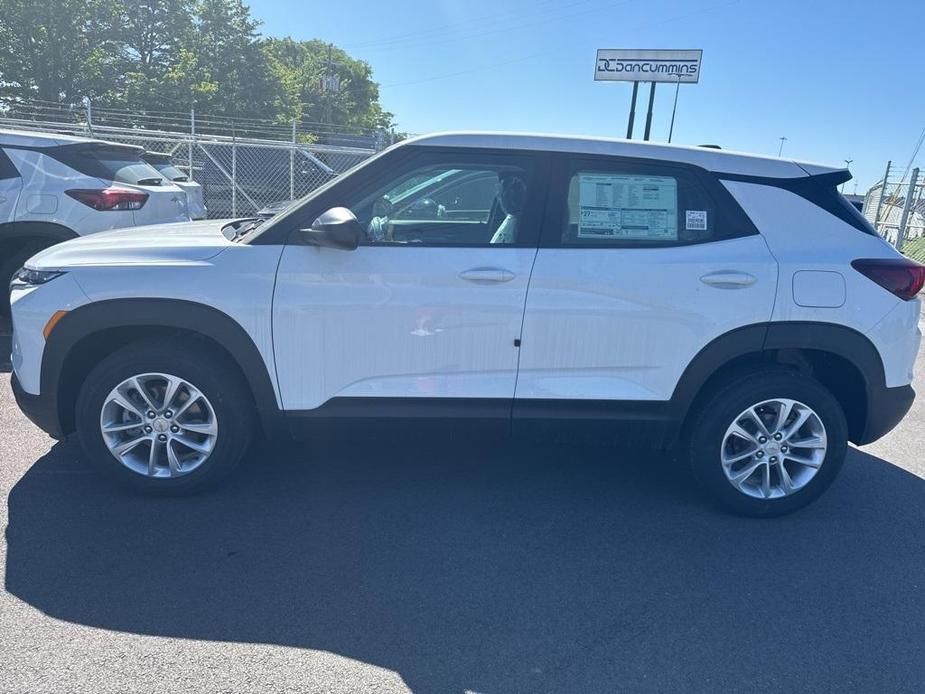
x,y
52,322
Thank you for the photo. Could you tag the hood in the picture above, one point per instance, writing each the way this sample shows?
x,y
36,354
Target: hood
x,y
185,242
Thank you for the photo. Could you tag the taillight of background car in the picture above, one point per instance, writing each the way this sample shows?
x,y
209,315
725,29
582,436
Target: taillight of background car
x,y
110,199
900,276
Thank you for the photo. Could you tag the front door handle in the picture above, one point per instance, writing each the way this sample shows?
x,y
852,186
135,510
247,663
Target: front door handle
x,y
487,274
727,279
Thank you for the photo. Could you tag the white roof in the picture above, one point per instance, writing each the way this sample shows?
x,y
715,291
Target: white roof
x,y
36,138
720,161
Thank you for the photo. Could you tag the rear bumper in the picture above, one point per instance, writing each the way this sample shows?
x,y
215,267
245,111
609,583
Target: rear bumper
x,y
885,410
40,410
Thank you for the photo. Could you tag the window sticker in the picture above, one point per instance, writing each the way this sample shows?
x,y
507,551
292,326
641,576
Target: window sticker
x,y
696,220
620,207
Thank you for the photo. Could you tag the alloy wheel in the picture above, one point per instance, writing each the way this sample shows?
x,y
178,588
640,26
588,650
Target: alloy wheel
x,y
773,449
158,425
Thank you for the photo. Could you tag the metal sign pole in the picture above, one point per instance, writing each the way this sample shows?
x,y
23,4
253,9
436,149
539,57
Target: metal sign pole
x,y
674,109
649,112
629,125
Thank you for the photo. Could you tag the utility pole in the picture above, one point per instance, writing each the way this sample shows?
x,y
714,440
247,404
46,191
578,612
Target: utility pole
x,y
781,148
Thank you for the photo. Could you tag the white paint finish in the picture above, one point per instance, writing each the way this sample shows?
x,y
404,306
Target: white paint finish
x,y
40,203
195,201
397,322
30,138
238,281
44,180
157,245
818,289
9,197
898,338
804,237
190,262
710,159
624,323
32,308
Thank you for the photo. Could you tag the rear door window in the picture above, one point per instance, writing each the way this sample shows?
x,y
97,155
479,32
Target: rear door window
x,y
624,203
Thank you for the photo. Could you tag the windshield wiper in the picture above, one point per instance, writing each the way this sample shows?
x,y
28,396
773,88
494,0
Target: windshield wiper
x,y
246,227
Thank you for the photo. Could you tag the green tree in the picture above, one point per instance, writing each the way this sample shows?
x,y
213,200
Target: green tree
x,y
332,87
152,34
59,53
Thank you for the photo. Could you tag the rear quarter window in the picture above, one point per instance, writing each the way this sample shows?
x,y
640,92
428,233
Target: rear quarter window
x,y
115,164
7,168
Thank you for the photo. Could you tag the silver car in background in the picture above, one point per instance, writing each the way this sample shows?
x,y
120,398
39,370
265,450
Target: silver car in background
x,y
194,197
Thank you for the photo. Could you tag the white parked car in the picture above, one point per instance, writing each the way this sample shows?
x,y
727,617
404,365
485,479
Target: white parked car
x,y
195,200
734,305
58,187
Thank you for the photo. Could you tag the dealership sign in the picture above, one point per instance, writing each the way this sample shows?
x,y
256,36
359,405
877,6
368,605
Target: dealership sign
x,y
647,66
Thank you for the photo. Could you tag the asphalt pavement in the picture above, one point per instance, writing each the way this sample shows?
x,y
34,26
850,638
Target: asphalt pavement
x,y
424,564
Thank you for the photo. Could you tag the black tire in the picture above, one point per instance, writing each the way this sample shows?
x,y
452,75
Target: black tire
x,y
719,409
10,265
209,370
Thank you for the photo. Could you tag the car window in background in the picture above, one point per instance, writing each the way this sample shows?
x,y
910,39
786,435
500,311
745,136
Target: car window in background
x,y
169,171
112,163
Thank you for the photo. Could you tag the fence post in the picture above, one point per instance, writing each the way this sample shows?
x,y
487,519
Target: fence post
x,y
292,165
88,107
886,178
910,194
192,142
234,173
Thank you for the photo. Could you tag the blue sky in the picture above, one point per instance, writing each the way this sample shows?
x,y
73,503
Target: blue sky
x,y
841,80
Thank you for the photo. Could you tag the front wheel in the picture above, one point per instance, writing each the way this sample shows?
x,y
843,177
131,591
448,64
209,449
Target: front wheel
x,y
768,443
165,416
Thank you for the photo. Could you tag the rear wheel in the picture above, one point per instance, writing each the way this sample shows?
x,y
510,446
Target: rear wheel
x,y
165,416
768,443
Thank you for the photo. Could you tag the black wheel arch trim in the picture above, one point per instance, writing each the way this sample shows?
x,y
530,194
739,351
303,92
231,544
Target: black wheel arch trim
x,y
755,339
170,314
832,338
36,230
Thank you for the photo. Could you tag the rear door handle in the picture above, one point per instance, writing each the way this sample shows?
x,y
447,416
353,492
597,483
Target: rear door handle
x,y
729,279
487,274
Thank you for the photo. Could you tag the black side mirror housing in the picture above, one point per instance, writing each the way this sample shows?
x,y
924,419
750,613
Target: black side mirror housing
x,y
337,228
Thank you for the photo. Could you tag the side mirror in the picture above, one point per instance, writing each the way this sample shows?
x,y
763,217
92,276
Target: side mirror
x,y
336,228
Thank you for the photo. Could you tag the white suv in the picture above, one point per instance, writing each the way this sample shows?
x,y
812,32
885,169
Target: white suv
x,y
57,187
735,304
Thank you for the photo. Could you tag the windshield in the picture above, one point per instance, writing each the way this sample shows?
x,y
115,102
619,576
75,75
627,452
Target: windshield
x,y
293,209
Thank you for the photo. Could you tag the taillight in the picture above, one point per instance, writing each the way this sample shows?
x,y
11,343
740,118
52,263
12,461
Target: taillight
x,y
900,276
110,199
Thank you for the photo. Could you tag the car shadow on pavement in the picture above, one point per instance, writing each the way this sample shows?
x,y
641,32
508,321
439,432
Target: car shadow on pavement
x,y
6,346
509,568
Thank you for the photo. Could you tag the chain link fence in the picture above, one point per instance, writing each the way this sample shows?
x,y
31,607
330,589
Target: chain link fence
x,y
896,207
243,166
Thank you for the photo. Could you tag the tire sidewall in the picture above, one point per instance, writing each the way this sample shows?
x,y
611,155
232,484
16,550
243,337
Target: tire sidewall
x,y
210,374
718,414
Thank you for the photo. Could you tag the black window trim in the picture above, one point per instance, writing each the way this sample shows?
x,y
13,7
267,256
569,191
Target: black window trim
x,y
819,189
404,158
736,223
8,170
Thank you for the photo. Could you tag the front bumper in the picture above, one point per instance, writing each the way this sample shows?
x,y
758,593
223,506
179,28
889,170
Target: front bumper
x,y
885,409
40,410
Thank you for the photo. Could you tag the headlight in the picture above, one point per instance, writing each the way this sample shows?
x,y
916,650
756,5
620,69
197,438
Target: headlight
x,y
26,277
